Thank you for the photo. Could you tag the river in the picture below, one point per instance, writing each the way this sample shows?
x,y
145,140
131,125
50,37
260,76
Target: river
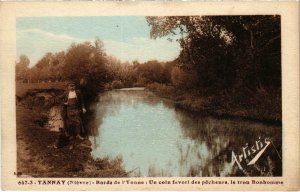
x,y
154,138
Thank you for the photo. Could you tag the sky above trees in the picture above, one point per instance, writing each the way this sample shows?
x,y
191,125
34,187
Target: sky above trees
x,y
126,38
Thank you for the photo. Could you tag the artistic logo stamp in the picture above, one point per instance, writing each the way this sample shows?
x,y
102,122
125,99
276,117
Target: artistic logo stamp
x,y
250,154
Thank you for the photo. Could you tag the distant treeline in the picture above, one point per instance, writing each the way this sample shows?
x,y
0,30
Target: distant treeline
x,y
218,53
90,67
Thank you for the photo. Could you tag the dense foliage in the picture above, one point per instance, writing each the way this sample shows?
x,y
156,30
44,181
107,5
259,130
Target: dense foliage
x,y
226,51
84,63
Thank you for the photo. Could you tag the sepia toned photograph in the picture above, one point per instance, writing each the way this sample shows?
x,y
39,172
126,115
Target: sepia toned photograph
x,y
149,96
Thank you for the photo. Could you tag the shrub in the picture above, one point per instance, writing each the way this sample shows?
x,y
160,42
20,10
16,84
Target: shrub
x,y
182,79
116,84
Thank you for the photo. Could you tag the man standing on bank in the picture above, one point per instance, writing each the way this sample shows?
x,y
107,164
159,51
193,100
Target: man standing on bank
x,y
74,109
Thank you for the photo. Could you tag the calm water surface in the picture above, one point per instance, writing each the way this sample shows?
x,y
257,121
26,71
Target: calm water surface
x,y
154,138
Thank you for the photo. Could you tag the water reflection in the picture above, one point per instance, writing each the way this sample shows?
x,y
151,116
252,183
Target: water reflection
x,y
153,138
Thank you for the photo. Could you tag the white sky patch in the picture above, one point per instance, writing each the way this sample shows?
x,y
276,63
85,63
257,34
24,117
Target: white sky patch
x,y
35,43
48,34
143,49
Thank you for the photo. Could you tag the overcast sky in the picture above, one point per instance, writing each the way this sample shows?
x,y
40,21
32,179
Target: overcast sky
x,y
127,38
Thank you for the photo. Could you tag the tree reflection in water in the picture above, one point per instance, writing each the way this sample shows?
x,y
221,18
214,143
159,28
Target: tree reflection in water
x,y
155,138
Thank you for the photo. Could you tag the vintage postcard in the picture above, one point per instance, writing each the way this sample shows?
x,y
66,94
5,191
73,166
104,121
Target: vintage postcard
x,y
150,95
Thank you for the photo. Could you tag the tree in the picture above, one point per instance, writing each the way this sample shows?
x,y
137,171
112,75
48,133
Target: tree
x,y
22,67
226,51
85,61
150,72
49,67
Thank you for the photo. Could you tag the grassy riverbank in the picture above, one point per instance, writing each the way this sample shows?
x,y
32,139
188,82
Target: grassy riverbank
x,y
261,105
36,156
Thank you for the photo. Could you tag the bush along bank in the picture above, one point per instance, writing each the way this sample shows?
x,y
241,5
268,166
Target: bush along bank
x,y
259,105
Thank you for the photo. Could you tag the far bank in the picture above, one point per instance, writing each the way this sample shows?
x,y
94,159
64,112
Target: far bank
x,y
258,105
